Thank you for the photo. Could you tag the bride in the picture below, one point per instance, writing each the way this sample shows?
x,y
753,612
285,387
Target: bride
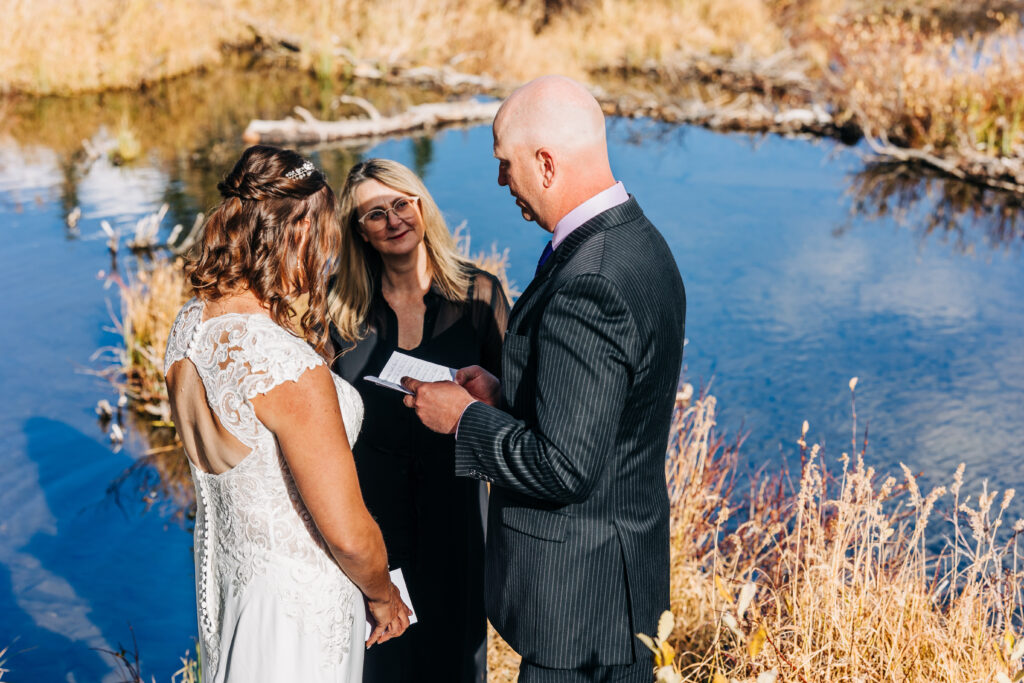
x,y
285,550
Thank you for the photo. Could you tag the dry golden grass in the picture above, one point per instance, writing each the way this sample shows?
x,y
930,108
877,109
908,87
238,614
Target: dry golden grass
x,y
150,300
502,660
903,70
928,88
58,46
836,581
47,46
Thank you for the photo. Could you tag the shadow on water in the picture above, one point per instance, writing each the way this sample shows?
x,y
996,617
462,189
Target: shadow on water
x,y
48,556
936,207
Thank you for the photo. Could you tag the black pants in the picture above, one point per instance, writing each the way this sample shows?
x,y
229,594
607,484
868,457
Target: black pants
x,y
431,522
640,671
410,658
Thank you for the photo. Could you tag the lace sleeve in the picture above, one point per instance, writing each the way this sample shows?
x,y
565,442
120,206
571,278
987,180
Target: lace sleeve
x,y
185,325
274,356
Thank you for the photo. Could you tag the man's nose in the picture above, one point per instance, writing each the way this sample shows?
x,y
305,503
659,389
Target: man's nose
x,y
502,177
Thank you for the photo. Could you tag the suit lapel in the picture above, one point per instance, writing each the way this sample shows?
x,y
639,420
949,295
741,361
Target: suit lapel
x,y
617,215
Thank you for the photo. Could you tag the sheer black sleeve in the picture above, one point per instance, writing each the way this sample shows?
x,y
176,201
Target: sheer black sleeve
x,y
490,318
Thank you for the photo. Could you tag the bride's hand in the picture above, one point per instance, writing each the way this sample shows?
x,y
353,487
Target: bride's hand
x,y
390,616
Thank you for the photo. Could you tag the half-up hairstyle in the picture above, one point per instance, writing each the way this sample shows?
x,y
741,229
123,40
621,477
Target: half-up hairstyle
x,y
359,264
256,239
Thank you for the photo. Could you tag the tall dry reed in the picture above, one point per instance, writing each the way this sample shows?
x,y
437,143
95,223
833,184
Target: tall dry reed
x,y
837,578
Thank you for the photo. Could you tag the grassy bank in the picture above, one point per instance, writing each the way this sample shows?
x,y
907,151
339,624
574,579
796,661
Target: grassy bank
x,y
942,80
47,47
837,573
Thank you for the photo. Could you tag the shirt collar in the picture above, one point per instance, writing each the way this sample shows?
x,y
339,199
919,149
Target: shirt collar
x,y
599,203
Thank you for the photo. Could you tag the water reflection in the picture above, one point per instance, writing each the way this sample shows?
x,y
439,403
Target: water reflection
x,y
188,128
39,565
936,206
159,478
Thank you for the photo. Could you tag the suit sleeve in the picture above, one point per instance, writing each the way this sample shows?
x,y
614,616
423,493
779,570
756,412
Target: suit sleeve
x,y
583,366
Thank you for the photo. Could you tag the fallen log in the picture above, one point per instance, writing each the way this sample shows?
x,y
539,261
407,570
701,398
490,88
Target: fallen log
x,y
308,130
1001,173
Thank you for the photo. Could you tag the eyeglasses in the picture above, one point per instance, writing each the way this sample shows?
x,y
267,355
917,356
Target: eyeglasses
x,y
404,208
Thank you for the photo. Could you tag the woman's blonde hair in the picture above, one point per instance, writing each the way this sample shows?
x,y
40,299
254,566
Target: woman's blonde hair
x,y
257,239
359,264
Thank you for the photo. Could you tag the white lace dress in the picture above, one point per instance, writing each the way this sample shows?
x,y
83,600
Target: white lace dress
x,y
272,603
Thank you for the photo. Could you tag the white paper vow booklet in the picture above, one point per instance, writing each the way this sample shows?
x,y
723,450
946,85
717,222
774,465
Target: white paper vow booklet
x,y
401,365
399,581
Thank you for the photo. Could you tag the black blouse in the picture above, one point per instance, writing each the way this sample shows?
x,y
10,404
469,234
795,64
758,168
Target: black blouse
x,y
431,520
455,334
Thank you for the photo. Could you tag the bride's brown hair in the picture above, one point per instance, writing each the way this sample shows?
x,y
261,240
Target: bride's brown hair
x,y
257,239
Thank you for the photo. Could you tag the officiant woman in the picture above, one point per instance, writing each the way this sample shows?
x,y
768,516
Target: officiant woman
x,y
401,285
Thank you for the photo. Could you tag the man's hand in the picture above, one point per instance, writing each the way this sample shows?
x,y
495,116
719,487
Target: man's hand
x,y
481,385
439,405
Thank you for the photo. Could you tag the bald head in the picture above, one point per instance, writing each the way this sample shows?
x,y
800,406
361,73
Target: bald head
x,y
550,143
552,111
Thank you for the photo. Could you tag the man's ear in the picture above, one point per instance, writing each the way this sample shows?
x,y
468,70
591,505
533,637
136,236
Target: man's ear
x,y
546,165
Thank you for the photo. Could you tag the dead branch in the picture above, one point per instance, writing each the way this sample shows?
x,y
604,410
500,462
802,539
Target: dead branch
x,y
1002,173
309,130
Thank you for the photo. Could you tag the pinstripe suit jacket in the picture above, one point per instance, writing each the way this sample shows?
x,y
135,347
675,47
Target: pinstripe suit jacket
x,y
577,545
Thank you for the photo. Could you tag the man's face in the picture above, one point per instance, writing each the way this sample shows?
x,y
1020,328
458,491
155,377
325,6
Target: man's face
x,y
516,172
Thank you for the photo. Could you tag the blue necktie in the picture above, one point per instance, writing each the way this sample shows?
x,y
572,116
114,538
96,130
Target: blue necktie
x,y
548,249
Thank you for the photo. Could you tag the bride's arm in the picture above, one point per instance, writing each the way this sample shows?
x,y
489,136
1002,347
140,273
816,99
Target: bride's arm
x,y
306,419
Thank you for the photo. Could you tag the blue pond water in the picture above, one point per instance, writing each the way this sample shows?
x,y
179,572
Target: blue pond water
x,y
789,296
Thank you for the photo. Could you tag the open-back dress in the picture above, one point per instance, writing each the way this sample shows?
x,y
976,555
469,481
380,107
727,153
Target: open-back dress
x,y
272,603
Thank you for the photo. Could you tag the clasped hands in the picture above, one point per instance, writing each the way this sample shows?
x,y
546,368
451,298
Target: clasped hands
x,y
440,405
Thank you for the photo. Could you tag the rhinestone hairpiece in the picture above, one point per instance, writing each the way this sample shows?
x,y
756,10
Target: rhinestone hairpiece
x,y
301,172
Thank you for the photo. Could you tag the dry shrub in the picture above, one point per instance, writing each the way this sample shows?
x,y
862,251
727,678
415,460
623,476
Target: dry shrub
x,y
51,47
151,296
928,88
502,660
62,46
835,580
494,262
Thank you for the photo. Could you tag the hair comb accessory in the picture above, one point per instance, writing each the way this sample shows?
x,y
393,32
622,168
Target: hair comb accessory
x,y
301,172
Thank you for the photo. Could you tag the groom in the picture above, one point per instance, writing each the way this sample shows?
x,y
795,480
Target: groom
x,y
573,438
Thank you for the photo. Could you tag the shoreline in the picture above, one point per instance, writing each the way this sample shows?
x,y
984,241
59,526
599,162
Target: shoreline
x,y
724,95
926,84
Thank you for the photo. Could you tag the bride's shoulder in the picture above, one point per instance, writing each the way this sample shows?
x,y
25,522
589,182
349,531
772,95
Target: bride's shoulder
x,y
268,346
186,324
